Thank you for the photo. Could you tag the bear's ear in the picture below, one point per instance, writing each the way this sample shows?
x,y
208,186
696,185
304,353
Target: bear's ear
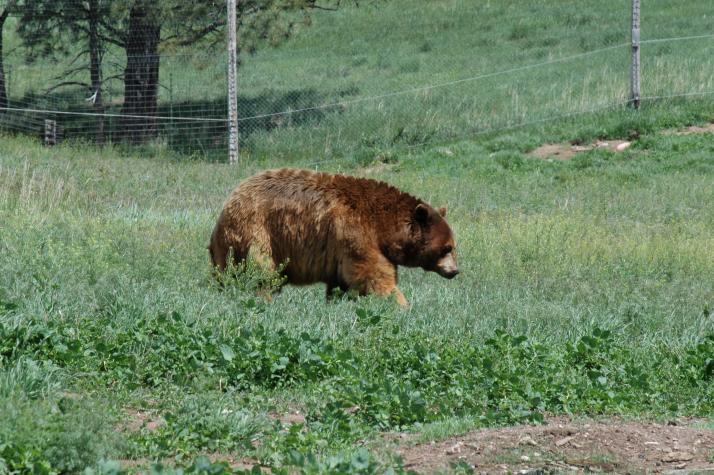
x,y
421,214
442,211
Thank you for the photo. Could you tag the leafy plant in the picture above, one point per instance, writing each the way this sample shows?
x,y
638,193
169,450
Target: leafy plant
x,y
200,424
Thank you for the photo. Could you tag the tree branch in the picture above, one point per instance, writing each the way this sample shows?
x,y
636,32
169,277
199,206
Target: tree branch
x,y
319,7
113,41
116,76
70,72
119,39
197,35
79,55
68,83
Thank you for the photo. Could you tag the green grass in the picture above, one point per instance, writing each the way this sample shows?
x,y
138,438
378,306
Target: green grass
x,y
585,289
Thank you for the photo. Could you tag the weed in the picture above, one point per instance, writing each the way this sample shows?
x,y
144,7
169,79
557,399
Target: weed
x,y
200,424
252,275
54,435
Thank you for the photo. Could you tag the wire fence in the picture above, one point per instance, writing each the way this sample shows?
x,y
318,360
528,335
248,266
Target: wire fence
x,y
119,73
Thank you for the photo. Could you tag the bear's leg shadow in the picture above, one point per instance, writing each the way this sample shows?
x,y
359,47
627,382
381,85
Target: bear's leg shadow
x,y
335,290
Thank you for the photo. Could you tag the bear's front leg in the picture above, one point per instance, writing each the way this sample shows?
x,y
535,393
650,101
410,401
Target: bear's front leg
x,y
377,276
385,289
401,299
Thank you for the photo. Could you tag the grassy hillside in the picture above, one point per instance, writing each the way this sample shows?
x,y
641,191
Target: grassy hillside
x,y
357,55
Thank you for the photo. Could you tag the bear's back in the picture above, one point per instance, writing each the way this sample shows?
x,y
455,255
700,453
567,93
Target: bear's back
x,y
364,197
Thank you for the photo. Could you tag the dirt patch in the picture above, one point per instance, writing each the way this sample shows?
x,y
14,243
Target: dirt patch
x,y
378,168
693,129
237,463
566,151
294,416
137,418
564,445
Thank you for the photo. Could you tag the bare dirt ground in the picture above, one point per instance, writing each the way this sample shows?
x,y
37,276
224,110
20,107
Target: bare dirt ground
x,y
560,445
694,129
136,419
565,445
566,150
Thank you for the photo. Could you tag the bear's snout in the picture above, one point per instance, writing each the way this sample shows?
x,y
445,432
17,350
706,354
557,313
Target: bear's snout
x,y
447,267
449,274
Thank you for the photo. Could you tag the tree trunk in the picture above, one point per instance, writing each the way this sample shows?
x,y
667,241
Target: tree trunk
x,y
3,87
95,68
141,76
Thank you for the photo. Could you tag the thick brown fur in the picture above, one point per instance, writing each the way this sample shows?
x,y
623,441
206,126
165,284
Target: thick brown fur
x,y
350,233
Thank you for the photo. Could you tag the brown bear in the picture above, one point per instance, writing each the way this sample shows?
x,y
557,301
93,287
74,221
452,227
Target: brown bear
x,y
350,233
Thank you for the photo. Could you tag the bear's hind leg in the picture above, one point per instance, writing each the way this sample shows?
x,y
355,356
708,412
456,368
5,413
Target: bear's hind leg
x,y
226,249
218,250
330,292
270,277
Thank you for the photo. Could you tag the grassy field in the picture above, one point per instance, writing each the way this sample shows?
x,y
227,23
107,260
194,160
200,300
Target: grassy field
x,y
585,286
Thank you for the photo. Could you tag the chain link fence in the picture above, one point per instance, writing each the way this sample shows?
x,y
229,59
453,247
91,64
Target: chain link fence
x,y
357,81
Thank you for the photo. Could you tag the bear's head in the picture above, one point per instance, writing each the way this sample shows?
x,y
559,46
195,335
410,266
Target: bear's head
x,y
432,247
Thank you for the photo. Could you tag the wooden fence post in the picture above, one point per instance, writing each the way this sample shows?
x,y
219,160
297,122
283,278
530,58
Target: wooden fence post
x,y
50,132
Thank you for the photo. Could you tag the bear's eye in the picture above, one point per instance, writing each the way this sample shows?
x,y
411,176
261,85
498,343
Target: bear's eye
x,y
447,249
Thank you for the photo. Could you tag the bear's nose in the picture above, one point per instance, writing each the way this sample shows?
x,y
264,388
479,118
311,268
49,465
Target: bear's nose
x,y
452,274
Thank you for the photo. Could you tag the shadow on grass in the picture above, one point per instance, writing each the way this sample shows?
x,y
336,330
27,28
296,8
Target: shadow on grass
x,y
189,127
